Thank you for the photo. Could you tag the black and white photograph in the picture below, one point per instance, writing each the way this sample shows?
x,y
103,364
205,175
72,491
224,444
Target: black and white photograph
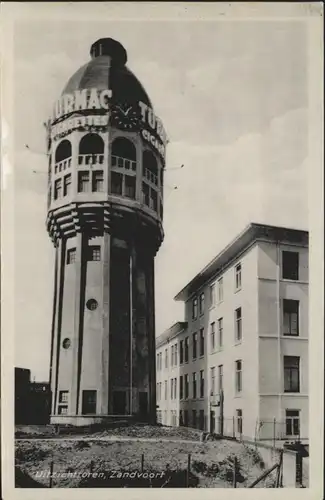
x,y
161,246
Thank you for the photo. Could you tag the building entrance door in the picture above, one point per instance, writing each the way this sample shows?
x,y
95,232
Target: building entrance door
x,y
119,403
143,404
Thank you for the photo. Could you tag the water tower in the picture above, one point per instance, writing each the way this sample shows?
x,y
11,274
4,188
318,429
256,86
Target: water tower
x,y
105,209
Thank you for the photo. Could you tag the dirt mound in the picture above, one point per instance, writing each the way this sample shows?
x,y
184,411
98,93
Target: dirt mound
x,y
151,431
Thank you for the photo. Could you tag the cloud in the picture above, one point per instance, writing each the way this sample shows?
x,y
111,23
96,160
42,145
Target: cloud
x,y
258,178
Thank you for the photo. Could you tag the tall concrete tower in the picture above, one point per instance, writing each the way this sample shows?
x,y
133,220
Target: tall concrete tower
x,y
105,209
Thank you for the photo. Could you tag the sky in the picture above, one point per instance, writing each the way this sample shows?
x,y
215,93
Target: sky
x,y
233,99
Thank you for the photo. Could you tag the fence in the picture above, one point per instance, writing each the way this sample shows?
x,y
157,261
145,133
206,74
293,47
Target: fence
x,y
272,430
142,475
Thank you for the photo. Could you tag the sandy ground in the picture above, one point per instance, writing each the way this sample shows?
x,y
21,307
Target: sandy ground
x,y
161,448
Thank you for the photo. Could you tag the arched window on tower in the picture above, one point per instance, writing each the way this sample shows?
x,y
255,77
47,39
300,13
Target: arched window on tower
x,y
91,150
124,154
62,158
124,168
91,154
150,180
150,167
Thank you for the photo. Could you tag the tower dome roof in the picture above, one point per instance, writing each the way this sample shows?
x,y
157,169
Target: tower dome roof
x,y
107,70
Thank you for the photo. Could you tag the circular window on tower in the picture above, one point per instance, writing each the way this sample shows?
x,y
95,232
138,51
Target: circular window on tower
x,y
92,304
66,343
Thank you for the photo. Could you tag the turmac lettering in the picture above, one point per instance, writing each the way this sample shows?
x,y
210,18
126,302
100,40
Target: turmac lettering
x,y
81,100
152,121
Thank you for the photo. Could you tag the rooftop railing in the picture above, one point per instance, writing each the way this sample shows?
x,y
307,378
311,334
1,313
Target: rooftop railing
x,y
91,159
62,165
125,163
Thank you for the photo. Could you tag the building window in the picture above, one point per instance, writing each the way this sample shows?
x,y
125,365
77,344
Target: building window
x,y
194,340
171,388
220,290
194,385
239,420
212,421
181,351
157,361
185,418
238,364
172,355
66,184
89,402
181,419
92,304
220,333
94,253
186,386
116,183
83,182
213,380
63,151
181,394
63,409
186,351
130,186
175,388
238,326
63,396
201,383
166,358
291,373
201,420
66,343
153,200
201,304
166,390
57,189
290,265
292,423
202,342
194,423
212,295
194,308
238,276
71,255
213,335
98,181
220,378
291,317
176,355
145,194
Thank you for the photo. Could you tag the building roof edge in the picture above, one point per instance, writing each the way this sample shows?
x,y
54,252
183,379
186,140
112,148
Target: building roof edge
x,y
252,232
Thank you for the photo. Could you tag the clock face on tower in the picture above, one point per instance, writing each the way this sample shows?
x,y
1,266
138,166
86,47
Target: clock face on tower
x,y
125,117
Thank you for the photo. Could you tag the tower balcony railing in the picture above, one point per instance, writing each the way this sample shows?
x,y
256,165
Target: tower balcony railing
x,y
62,165
91,159
119,162
153,178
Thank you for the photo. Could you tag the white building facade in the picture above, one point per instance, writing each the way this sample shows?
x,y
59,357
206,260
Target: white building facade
x,y
244,340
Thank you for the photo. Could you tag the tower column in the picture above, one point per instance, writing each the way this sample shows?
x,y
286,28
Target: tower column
x,y
73,406
151,340
57,323
103,403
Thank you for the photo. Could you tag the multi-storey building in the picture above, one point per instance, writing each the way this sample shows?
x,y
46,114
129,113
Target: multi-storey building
x,y
244,341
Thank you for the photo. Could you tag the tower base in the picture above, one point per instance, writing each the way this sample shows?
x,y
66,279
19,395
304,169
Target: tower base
x,y
84,420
